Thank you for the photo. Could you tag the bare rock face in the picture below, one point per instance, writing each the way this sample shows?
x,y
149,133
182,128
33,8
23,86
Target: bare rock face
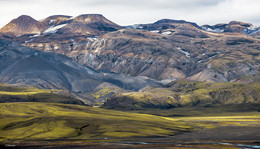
x,y
23,25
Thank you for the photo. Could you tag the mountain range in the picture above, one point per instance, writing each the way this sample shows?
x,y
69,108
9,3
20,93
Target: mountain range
x,y
86,54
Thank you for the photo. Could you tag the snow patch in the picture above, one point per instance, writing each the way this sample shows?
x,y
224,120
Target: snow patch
x,y
53,29
186,53
135,26
167,33
73,17
253,27
29,40
51,21
36,35
252,30
155,31
92,38
140,27
216,30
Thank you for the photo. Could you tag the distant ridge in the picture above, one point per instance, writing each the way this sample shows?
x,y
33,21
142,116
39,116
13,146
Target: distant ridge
x,y
93,24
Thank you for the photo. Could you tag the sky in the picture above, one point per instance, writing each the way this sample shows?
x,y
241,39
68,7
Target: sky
x,y
129,12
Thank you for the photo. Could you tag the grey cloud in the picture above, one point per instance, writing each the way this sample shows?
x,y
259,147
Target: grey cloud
x,y
125,12
151,3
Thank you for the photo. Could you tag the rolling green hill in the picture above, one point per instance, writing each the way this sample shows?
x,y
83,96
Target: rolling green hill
x,y
186,94
12,93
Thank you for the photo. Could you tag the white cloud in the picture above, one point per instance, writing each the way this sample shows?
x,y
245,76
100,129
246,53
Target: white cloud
x,y
126,12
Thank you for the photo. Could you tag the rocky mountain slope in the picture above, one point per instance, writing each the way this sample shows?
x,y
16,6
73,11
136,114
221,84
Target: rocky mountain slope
x,y
22,65
166,49
179,49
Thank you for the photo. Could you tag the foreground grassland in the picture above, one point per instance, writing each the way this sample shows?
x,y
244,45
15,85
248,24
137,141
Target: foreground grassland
x,y
59,121
51,121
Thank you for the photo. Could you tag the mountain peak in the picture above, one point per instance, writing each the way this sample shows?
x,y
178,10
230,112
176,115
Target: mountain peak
x,y
91,15
240,23
89,18
24,24
94,24
169,21
56,20
24,17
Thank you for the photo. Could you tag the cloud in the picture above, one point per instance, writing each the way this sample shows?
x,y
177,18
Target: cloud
x,y
126,12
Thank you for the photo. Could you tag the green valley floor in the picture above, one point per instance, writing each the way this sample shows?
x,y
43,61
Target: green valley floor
x,y
54,125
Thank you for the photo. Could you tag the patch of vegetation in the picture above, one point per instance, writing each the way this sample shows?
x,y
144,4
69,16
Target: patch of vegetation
x,y
10,93
101,93
187,93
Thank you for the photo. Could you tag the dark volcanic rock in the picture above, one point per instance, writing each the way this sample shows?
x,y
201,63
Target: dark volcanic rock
x,y
22,65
